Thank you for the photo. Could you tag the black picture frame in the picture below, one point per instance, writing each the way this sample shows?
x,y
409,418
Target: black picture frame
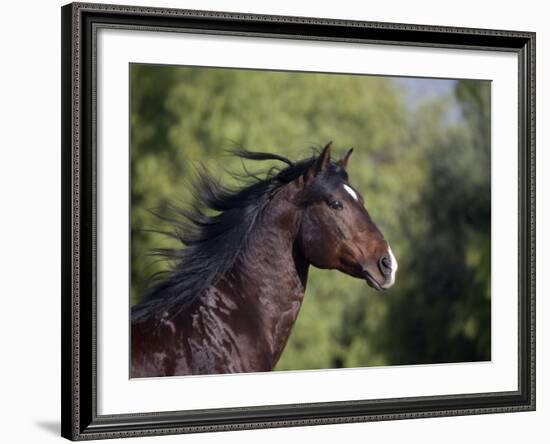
x,y
79,395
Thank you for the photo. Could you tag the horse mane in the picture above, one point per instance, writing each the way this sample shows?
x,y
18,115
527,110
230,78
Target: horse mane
x,y
212,243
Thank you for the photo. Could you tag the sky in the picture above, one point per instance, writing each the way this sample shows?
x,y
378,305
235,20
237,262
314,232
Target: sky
x,y
418,90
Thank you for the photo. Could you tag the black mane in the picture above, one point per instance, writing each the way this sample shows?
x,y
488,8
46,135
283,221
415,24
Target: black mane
x,y
213,243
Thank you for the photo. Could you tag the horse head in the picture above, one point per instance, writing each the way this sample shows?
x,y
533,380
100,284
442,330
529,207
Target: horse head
x,y
337,231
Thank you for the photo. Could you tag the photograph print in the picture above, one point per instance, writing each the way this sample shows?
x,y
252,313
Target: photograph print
x,y
298,221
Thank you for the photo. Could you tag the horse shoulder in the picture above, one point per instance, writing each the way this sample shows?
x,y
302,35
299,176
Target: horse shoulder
x,y
155,346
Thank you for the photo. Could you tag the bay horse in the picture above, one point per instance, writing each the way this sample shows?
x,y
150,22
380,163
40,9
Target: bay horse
x,y
234,292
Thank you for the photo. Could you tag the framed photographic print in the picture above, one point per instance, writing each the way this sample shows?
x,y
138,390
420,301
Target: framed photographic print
x,y
279,221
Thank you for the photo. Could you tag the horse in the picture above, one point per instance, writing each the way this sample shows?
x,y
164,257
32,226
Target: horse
x,y
236,286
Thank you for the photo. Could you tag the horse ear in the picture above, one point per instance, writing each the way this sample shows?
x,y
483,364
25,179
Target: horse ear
x,y
343,162
321,163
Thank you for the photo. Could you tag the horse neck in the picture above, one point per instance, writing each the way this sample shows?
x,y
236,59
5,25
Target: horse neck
x,y
269,278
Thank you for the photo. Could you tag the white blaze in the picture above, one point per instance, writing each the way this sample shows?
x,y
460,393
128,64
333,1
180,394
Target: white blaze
x,y
394,266
351,191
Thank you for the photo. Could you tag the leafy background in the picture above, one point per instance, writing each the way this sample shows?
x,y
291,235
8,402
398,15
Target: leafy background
x,y
421,161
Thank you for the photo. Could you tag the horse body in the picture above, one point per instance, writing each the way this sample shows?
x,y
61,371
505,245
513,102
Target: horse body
x,y
241,321
237,325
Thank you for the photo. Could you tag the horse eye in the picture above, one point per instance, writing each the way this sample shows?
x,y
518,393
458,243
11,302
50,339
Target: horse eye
x,y
335,205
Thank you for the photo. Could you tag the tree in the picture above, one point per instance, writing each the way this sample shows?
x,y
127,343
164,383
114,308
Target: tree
x,y
404,162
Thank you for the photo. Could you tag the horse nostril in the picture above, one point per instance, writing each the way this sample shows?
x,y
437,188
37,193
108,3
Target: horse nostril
x,y
385,265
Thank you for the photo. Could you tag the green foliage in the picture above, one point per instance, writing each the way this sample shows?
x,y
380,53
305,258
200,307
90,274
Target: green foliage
x,y
424,173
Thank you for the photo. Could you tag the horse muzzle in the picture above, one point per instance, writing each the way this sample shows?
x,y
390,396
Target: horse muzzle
x,y
371,281
385,273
